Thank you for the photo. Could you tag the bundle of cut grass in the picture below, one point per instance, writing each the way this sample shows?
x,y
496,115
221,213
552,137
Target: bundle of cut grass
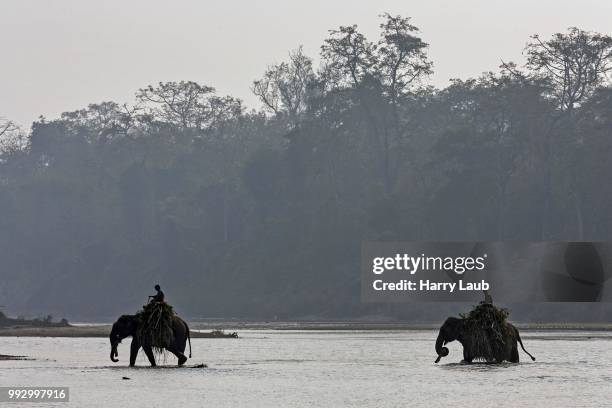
x,y
488,329
155,328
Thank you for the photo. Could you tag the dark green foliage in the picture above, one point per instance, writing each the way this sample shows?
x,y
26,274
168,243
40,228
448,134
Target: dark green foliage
x,y
488,330
155,325
223,334
47,321
247,214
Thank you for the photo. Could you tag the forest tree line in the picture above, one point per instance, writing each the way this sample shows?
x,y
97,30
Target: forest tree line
x,y
261,213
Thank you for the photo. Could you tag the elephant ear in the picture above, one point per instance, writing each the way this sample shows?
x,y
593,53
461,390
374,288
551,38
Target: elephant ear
x,y
455,323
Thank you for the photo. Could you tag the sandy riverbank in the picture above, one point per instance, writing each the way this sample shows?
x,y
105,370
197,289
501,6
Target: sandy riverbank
x,y
4,357
339,325
79,331
205,329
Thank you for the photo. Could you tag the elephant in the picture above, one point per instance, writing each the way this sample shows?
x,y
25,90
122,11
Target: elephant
x,y
459,329
127,325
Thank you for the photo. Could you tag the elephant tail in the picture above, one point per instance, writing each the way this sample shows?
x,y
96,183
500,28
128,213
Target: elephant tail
x,y
518,337
189,339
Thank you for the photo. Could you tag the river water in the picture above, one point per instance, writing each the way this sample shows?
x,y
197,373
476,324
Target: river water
x,y
319,369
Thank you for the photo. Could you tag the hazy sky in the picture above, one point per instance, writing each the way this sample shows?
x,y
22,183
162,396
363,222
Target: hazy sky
x,y
59,55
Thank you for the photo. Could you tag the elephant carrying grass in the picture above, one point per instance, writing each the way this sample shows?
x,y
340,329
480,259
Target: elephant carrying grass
x,y
484,334
174,338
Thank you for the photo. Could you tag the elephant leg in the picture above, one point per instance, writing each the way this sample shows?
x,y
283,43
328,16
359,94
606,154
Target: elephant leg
x,y
149,352
134,347
467,357
514,354
179,354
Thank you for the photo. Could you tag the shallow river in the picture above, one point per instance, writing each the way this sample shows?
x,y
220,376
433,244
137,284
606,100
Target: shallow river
x,y
319,369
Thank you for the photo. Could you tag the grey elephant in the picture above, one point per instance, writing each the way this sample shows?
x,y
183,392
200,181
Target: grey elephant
x,y
128,325
476,344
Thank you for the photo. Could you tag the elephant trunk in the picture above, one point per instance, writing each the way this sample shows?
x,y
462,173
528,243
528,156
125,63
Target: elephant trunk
x,y
442,351
114,341
114,354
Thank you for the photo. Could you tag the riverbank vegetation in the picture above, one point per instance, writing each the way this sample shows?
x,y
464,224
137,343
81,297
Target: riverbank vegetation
x,y
261,214
47,321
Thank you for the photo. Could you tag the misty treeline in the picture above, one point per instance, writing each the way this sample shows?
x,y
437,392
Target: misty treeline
x,y
261,214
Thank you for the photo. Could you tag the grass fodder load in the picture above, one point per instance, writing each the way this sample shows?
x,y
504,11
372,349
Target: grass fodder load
x,y
155,328
488,330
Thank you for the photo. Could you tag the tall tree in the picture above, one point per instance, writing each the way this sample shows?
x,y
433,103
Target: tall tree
x,y
284,87
401,56
187,105
348,56
575,63
12,137
401,62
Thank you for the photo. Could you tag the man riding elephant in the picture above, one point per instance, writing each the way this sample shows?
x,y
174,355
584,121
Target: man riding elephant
x,y
159,296
154,328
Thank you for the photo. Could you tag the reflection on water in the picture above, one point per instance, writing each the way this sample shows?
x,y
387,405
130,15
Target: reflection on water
x,y
319,369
